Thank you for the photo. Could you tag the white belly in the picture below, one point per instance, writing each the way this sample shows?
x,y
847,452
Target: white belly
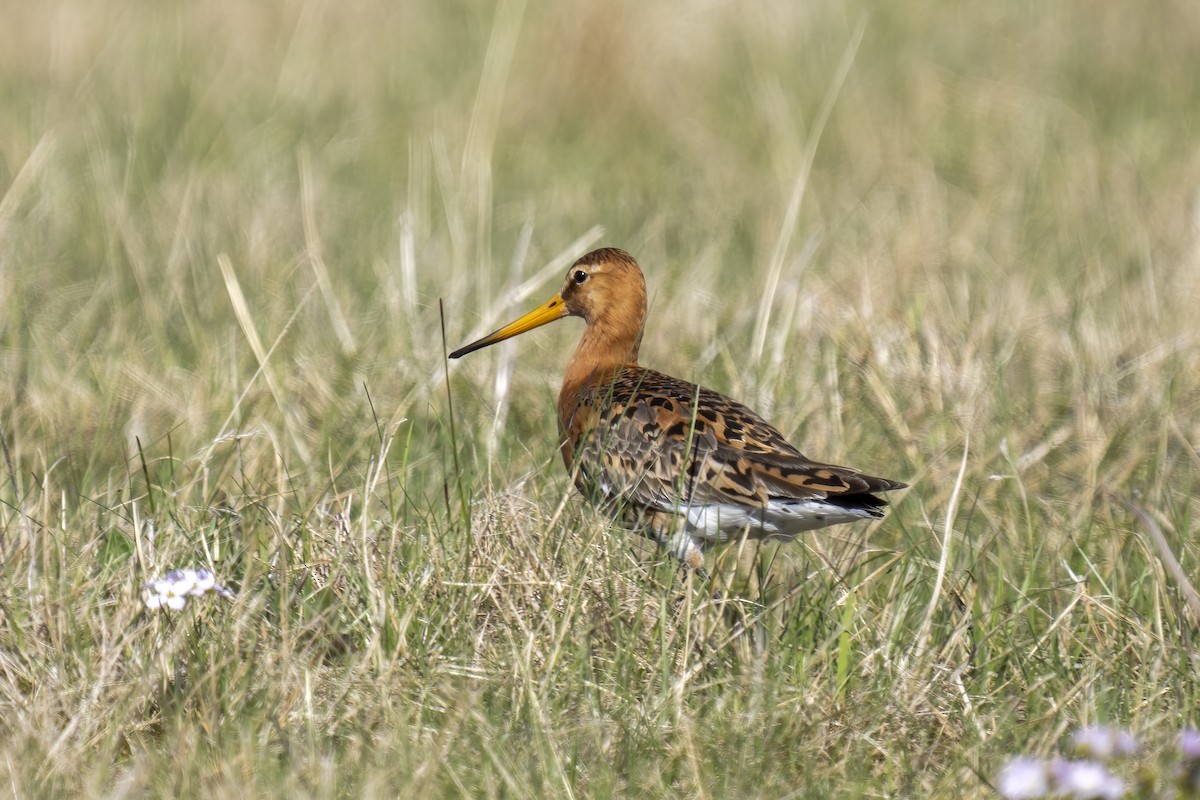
x,y
717,522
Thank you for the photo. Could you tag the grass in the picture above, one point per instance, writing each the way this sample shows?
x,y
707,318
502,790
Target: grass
x,y
958,246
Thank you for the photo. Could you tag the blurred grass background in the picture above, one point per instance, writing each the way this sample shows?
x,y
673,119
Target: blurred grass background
x,y
913,235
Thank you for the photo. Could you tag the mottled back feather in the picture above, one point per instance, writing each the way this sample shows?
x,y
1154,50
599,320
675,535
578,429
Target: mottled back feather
x,y
646,439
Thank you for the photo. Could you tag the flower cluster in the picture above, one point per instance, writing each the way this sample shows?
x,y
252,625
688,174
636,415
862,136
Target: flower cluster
x,y
173,589
1089,775
1031,778
1103,744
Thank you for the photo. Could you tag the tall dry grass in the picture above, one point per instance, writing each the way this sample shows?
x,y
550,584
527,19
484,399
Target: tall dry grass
x,y
956,246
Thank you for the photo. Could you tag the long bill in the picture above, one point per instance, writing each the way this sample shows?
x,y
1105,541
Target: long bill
x,y
552,309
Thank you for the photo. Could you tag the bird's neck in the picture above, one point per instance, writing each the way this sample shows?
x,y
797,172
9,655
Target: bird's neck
x,y
602,347
602,353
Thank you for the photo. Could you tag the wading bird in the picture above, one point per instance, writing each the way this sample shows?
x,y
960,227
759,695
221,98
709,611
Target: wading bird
x,y
681,463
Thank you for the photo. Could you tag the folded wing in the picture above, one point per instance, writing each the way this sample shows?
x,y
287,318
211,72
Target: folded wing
x,y
663,444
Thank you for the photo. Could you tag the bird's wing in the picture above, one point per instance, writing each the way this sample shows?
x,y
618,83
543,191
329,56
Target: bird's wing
x,y
662,443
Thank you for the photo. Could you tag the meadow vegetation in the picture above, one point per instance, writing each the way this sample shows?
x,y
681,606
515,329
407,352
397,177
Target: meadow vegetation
x,y
956,245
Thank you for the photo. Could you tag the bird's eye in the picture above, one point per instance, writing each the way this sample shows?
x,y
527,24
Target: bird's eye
x,y
580,276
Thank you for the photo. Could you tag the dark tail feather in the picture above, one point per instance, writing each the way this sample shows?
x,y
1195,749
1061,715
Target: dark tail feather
x,y
856,501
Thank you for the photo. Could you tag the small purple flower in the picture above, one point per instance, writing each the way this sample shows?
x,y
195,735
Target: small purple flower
x,y
1189,744
1103,743
1085,780
1124,744
1023,779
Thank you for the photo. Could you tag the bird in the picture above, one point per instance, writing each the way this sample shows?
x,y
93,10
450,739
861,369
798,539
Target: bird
x,y
678,462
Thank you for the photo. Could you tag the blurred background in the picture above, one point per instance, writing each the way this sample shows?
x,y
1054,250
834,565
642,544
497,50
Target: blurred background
x,y
787,173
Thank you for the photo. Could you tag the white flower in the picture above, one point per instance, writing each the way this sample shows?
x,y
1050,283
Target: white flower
x,y
173,589
163,593
182,580
1023,779
202,581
